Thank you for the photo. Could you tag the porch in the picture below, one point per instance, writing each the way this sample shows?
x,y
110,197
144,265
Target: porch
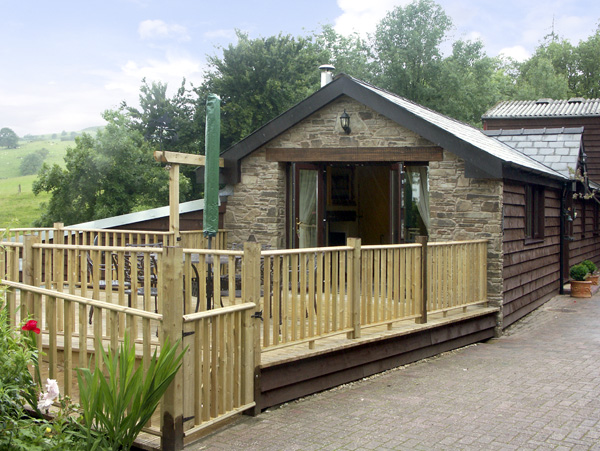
x,y
319,317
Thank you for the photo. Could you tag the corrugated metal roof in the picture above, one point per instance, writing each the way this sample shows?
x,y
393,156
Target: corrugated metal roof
x,y
557,148
467,133
576,107
132,218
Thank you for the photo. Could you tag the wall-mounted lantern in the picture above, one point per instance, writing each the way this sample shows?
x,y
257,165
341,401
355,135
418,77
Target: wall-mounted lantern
x,y
345,122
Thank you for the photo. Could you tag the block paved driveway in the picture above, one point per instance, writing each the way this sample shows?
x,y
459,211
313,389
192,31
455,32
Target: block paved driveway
x,y
535,388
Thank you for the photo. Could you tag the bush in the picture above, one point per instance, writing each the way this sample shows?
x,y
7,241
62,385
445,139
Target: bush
x,y
18,430
579,272
590,266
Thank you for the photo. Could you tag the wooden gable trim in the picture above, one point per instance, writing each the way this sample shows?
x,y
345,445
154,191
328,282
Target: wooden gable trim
x,y
355,154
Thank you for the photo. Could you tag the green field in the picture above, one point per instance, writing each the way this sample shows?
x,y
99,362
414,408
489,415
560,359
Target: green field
x,y
19,209
18,206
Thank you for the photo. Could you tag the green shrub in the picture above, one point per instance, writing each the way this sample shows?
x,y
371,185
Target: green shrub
x,y
579,272
590,266
118,406
18,430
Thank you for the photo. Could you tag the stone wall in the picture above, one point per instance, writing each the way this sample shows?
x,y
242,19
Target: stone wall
x,y
369,129
461,208
465,209
257,205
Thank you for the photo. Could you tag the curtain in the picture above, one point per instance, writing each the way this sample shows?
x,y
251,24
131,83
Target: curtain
x,y
418,177
307,221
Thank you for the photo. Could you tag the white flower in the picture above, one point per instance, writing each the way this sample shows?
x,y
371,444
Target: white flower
x,y
49,395
52,388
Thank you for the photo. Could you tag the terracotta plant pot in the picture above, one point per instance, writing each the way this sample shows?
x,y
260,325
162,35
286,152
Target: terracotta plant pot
x,y
581,288
593,278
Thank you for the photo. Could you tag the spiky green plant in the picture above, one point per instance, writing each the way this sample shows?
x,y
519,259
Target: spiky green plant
x,y
118,405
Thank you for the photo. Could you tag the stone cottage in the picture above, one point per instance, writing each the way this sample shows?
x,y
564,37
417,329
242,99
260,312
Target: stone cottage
x,y
353,160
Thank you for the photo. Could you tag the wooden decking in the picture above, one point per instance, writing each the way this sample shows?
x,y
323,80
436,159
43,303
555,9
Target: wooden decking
x,y
301,320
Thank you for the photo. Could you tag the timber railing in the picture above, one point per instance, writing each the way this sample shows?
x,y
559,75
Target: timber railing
x,y
310,294
226,304
84,296
59,234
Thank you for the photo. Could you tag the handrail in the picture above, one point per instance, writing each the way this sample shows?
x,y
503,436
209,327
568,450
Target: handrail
x,y
306,250
219,311
447,243
79,247
390,246
82,300
212,251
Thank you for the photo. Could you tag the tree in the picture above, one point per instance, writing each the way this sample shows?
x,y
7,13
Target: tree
x,y
33,162
469,83
539,79
8,138
258,79
348,54
407,49
587,79
175,124
111,174
166,123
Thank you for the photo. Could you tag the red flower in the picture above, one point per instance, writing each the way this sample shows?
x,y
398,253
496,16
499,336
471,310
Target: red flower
x,y
32,325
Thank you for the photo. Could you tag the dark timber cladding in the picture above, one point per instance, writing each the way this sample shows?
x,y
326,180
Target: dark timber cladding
x,y
341,154
591,134
584,243
531,268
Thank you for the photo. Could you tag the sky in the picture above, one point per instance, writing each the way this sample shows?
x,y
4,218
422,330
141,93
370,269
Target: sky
x,y
65,62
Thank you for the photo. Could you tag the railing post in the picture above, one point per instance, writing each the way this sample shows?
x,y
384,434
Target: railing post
x,y
422,240
251,293
28,274
172,328
59,269
354,257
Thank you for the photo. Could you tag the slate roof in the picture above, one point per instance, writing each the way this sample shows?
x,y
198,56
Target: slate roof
x,y
575,107
467,133
557,148
484,156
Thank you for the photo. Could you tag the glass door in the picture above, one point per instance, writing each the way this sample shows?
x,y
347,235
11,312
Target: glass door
x,y
396,204
308,206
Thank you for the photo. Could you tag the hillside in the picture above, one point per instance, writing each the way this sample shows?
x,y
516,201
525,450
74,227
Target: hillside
x,y
18,206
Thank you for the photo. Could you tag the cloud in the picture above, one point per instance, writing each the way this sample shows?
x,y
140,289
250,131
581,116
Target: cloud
x,y
125,84
54,106
228,33
158,29
517,52
362,17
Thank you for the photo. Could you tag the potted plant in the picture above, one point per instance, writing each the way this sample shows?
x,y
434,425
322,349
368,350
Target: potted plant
x,y
593,277
580,288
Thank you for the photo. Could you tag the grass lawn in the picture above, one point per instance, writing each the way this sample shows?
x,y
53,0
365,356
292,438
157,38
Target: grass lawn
x,y
19,209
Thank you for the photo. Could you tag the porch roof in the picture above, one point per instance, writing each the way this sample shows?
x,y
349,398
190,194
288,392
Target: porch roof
x,y
484,157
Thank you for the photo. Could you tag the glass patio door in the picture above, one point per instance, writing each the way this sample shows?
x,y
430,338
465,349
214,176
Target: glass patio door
x,y
308,204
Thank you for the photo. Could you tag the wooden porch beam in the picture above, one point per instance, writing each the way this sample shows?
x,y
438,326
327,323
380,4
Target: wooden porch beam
x,y
183,158
355,154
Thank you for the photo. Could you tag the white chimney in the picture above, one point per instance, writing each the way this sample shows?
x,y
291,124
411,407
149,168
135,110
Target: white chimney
x,y
326,74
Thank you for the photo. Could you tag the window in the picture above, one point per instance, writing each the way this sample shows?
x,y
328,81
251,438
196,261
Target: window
x,y
534,212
